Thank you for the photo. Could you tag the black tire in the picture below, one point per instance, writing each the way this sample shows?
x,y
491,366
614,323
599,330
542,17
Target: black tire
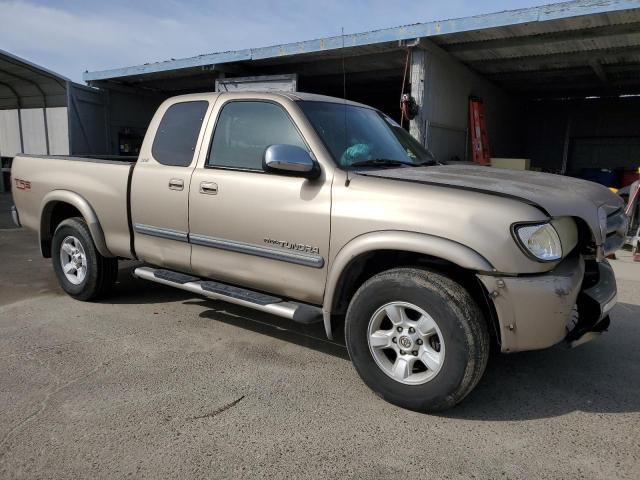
x,y
461,323
101,272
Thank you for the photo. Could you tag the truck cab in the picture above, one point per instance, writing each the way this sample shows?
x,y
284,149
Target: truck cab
x,y
204,181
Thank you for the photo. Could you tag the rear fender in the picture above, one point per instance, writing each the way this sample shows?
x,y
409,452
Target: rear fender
x,y
54,197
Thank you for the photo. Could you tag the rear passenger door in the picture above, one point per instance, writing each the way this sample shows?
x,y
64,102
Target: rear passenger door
x,y
160,183
261,230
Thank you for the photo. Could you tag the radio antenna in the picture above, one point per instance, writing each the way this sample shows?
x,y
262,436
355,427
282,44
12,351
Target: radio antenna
x,y
344,72
344,99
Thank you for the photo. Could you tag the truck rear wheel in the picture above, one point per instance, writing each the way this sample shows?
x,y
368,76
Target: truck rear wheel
x,y
417,339
82,272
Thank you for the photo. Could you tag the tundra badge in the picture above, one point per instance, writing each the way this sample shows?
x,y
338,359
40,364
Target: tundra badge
x,y
300,247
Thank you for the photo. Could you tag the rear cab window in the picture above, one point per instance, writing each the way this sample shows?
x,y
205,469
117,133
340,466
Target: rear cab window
x,y
244,130
177,134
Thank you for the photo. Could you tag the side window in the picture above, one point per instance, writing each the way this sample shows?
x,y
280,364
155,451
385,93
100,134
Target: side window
x,y
177,134
245,129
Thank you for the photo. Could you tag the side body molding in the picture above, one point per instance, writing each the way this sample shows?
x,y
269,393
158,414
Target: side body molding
x,y
439,247
48,203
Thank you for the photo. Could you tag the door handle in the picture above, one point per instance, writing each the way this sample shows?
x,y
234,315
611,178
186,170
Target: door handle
x,y
176,184
209,188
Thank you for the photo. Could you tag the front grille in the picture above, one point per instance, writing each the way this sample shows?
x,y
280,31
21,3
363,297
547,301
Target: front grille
x,y
617,225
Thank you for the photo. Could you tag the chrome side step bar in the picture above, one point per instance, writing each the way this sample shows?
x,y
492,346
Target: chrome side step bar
x,y
298,312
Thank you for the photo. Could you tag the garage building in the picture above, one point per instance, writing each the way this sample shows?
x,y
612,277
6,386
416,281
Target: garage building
x,y
44,113
559,83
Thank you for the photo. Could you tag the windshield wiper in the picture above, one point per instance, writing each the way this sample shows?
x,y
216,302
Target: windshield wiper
x,y
380,162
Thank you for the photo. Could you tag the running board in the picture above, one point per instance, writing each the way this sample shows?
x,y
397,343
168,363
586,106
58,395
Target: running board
x,y
298,312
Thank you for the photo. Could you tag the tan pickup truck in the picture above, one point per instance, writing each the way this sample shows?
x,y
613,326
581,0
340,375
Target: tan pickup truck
x,y
316,209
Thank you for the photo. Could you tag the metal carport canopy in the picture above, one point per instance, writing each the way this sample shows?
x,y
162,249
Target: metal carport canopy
x,y
26,85
586,47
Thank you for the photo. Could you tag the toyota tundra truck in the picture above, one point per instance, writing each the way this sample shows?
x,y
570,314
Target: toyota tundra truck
x,y
318,209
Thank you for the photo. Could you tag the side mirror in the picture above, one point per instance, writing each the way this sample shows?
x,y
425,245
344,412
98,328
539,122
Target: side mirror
x,y
290,160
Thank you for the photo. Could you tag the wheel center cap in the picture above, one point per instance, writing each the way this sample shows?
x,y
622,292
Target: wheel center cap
x,y
405,342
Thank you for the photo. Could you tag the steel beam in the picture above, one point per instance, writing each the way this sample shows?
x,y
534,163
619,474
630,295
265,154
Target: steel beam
x,y
13,91
417,78
44,106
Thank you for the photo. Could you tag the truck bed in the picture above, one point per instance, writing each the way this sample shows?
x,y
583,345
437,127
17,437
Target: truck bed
x,y
101,181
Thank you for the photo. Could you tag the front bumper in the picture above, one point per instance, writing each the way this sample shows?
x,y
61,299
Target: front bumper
x,y
15,216
594,304
538,311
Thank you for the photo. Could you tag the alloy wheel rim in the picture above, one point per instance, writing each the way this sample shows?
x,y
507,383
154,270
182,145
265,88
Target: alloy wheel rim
x,y
406,343
73,260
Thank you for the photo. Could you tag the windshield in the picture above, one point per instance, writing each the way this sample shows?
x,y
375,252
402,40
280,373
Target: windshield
x,y
360,136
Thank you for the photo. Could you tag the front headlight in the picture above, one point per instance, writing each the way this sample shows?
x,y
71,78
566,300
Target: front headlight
x,y
540,240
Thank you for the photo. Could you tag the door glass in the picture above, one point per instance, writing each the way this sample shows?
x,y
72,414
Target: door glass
x,y
244,131
177,134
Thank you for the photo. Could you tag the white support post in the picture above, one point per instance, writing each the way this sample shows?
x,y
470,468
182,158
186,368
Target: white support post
x,y
417,78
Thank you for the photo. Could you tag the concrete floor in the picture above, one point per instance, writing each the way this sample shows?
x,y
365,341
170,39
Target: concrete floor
x,y
155,383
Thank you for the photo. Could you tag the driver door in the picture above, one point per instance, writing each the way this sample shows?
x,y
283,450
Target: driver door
x,y
265,231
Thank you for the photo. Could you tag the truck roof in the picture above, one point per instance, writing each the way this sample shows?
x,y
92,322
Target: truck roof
x,y
293,96
313,97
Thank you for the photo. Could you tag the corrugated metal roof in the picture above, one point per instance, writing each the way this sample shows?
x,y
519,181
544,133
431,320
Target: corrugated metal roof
x,y
577,18
26,85
601,35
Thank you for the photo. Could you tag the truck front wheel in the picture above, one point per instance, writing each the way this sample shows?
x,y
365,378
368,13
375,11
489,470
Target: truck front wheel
x,y
417,338
82,272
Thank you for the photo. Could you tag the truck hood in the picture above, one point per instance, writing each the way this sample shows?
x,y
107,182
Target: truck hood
x,y
556,195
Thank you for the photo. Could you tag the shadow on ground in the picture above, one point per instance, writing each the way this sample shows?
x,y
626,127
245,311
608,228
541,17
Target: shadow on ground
x,y
130,290
601,376
309,336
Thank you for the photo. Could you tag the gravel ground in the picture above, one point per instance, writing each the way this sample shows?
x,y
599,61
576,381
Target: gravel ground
x,y
155,383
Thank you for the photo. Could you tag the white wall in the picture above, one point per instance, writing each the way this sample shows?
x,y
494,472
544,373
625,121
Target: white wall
x,y
449,84
9,133
58,127
33,131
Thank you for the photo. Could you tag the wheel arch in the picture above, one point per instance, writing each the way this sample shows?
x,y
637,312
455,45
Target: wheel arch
x,y
372,253
58,205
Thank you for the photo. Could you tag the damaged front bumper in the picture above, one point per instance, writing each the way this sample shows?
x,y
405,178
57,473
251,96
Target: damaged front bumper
x,y
538,311
594,304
